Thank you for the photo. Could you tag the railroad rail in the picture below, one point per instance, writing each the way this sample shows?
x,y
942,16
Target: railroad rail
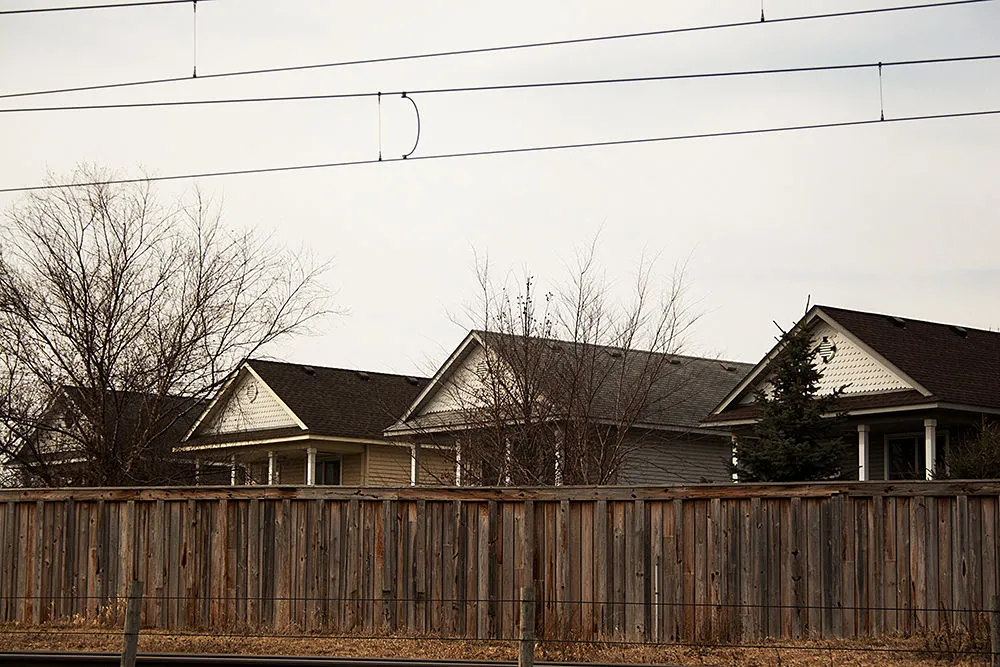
x,y
44,659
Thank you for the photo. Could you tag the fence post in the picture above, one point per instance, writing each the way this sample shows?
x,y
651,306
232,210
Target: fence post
x,y
526,656
130,639
995,631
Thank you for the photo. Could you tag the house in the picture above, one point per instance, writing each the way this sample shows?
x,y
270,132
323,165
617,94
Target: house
x,y
284,423
136,433
910,388
647,405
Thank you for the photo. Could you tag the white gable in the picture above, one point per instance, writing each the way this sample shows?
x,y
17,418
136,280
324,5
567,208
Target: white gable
x,y
849,365
462,386
247,406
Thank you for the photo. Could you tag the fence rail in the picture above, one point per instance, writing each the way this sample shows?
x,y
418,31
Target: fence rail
x,y
700,563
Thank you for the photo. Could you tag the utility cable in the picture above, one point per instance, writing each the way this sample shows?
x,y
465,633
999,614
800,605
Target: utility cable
x,y
510,86
512,151
113,5
508,47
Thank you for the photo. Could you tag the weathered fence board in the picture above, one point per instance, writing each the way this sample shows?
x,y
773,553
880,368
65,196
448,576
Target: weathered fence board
x,y
693,563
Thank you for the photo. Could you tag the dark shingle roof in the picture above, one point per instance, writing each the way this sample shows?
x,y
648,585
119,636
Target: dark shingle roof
x,y
684,388
340,402
956,364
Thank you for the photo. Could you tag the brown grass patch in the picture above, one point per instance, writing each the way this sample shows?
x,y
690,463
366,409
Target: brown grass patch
x,y
952,648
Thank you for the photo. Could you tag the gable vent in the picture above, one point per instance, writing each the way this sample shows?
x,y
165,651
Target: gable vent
x,y
309,370
898,321
961,331
364,376
827,349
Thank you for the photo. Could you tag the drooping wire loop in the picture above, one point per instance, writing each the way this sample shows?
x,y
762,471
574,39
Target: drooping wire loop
x,y
194,39
417,112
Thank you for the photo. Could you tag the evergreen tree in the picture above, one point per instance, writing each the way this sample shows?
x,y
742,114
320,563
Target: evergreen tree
x,y
977,457
792,441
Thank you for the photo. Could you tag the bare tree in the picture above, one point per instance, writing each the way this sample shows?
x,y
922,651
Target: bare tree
x,y
567,385
120,315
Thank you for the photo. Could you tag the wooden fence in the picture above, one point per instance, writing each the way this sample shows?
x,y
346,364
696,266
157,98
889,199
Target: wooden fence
x,y
700,563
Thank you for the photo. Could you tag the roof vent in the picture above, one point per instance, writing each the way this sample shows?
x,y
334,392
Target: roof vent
x,y
727,367
309,370
412,380
615,354
555,346
961,331
364,376
898,321
674,360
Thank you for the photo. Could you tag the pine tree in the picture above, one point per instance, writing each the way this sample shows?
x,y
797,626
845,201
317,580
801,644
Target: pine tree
x,y
792,441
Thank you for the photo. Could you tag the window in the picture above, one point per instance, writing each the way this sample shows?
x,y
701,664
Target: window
x,y
905,456
328,472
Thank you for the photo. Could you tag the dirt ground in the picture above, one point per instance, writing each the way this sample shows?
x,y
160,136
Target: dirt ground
x,y
932,650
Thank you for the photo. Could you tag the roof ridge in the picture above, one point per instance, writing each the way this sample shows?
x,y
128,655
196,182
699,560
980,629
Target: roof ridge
x,y
336,368
689,357
907,319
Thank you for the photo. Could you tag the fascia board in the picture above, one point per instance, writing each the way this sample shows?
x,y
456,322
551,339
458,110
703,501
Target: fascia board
x,y
446,368
756,371
209,409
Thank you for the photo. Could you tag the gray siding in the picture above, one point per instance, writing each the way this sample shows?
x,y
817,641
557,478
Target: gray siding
x,y
678,459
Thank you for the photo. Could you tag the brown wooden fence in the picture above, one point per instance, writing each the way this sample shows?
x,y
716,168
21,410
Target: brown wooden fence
x,y
701,563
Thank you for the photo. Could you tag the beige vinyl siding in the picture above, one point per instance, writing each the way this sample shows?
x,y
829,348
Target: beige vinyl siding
x,y
678,459
388,465
292,468
851,369
352,469
437,466
239,413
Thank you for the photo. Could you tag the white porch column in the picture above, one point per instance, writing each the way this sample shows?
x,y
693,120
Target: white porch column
x,y
930,447
272,468
310,466
508,461
414,463
458,463
864,434
732,439
560,447
232,470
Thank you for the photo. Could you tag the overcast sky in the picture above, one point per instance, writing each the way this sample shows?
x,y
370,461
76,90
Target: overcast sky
x,y
898,218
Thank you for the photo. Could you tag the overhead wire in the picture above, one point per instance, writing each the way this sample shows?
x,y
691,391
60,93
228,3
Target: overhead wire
x,y
514,151
499,48
509,86
110,5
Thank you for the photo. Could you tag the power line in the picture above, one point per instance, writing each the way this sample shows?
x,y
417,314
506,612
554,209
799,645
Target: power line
x,y
114,5
511,151
500,87
496,49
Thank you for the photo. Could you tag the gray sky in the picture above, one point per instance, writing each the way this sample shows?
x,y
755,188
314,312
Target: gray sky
x,y
898,218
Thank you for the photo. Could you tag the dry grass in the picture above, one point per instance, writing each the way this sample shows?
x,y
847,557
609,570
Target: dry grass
x,y
951,648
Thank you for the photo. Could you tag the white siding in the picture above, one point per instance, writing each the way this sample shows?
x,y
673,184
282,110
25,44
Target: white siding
x,y
248,406
851,367
463,385
678,459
